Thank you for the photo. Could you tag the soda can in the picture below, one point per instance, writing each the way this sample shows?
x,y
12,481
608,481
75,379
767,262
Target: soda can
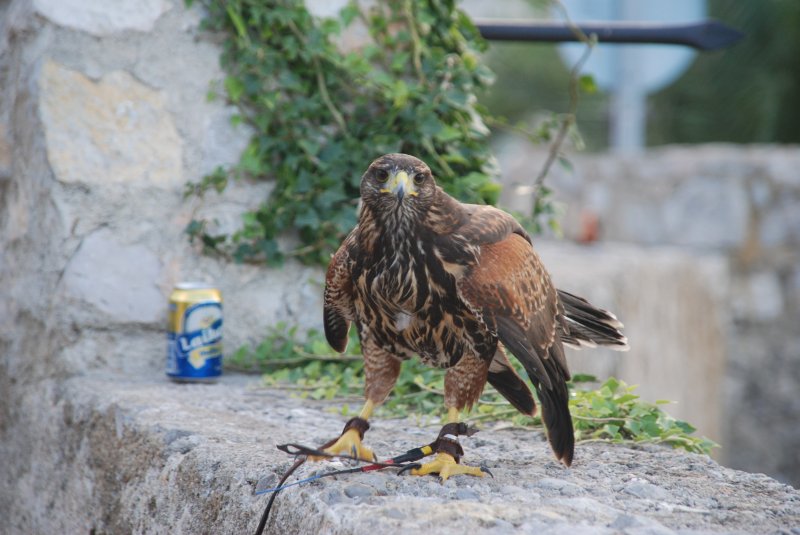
x,y
194,333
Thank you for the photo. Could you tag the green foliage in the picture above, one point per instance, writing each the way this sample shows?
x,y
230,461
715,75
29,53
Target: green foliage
x,y
532,78
320,115
613,412
743,94
311,369
544,213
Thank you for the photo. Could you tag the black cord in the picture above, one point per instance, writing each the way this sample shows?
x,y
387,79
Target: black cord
x,y
263,523
404,462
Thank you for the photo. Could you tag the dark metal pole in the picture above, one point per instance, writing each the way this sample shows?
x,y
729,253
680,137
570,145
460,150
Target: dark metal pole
x,y
706,35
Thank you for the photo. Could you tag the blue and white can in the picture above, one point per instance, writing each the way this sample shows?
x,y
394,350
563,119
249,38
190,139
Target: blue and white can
x,y
194,333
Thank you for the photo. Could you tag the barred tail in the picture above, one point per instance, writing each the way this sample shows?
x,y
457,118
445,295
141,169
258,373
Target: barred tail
x,y
589,326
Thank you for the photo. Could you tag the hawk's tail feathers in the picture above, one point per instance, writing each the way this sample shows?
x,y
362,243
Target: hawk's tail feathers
x,y
549,376
558,421
590,326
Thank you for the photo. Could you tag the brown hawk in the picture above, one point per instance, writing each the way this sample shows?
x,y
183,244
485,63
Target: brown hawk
x,y
456,285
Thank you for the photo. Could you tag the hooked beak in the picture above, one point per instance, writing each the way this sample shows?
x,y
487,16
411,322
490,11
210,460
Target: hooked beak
x,y
400,184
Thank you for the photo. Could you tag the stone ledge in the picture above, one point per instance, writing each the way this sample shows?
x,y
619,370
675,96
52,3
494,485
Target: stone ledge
x,y
118,455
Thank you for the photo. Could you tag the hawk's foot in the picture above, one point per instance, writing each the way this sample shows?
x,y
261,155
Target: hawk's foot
x,y
448,454
446,465
349,443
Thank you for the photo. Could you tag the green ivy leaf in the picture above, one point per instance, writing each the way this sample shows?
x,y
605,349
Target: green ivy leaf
x,y
587,84
237,21
448,133
234,88
307,218
349,13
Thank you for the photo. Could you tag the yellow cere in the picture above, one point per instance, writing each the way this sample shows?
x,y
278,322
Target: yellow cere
x,y
398,180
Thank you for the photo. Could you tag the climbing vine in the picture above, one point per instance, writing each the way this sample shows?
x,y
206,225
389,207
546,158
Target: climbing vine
x,y
321,110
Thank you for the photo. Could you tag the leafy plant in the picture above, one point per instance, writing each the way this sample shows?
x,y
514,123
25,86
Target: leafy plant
x,y
311,369
614,413
320,114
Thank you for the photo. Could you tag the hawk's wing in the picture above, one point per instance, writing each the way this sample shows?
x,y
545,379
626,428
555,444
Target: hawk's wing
x,y
510,289
338,310
512,292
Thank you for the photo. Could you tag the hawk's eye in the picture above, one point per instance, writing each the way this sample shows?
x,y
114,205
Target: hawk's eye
x,y
382,175
419,178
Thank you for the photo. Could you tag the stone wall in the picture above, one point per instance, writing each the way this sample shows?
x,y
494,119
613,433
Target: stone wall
x,y
120,455
739,203
104,118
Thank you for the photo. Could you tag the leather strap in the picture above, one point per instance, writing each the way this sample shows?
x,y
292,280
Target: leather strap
x,y
357,423
447,441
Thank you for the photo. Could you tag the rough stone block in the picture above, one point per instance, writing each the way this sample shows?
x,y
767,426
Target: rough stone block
x,y
132,454
758,297
112,131
5,153
705,212
118,279
780,223
101,17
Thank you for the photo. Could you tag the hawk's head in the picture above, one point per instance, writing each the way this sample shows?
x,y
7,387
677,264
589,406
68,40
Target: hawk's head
x,y
398,187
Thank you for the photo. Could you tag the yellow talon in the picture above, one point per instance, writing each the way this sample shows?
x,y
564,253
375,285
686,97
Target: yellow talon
x,y
445,465
348,444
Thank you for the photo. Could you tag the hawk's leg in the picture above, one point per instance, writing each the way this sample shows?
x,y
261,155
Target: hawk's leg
x,y
380,375
463,384
349,443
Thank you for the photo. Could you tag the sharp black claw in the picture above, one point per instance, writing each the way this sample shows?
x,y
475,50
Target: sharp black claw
x,y
408,467
485,469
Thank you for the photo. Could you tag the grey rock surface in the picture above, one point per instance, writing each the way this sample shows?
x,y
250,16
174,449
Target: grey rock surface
x,y
102,18
122,454
118,279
